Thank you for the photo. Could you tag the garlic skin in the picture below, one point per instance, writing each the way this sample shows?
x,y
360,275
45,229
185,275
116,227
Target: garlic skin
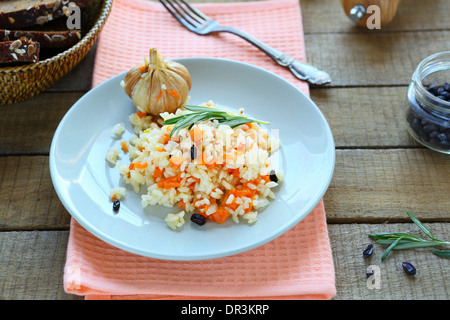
x,y
158,85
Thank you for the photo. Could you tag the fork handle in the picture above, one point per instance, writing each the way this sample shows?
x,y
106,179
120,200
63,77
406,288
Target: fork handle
x,y
301,70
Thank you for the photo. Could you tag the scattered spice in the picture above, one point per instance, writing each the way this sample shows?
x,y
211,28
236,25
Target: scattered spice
x,y
368,251
273,177
193,152
198,219
116,205
409,268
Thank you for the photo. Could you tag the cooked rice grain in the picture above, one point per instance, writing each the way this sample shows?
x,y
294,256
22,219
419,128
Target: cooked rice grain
x,y
112,155
230,173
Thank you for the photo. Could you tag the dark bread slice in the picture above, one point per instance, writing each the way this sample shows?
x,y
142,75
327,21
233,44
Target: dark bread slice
x,y
17,14
19,51
46,39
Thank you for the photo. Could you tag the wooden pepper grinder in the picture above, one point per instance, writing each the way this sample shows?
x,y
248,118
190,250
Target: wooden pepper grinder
x,y
356,10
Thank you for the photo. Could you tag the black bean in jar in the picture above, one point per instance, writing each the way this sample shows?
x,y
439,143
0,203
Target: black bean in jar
x,y
428,103
429,125
441,92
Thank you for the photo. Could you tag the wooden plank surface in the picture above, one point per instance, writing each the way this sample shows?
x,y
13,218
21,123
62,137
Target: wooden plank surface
x,y
380,170
34,261
32,265
373,59
378,186
27,127
327,16
365,117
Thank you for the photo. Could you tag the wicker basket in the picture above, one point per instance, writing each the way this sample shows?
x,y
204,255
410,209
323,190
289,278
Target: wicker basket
x,y
19,83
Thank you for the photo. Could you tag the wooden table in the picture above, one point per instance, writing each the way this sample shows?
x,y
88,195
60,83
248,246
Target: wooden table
x,y
380,171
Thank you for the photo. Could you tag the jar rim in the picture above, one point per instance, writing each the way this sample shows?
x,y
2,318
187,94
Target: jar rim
x,y
417,78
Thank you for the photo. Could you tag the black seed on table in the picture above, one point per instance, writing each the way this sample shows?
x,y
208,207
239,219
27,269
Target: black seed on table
x,y
368,251
409,268
198,219
273,177
116,205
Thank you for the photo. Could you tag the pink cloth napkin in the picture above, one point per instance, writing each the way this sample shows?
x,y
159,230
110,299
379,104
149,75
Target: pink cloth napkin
x,y
296,265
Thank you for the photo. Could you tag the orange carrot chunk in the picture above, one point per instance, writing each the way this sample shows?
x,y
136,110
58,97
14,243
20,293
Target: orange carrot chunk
x,y
175,162
165,138
196,134
242,193
124,146
139,165
220,216
158,173
170,182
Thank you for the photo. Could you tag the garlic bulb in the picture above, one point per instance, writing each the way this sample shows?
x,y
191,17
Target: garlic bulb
x,y
158,85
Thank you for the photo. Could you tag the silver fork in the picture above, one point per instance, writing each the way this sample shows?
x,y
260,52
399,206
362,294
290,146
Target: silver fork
x,y
198,22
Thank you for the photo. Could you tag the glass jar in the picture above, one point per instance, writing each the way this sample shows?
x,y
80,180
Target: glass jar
x,y
427,103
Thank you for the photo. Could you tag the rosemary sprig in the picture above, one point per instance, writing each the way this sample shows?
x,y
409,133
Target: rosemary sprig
x,y
200,114
402,241
442,253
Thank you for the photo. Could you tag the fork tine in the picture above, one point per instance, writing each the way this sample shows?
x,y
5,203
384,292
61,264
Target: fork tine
x,y
197,12
189,11
177,14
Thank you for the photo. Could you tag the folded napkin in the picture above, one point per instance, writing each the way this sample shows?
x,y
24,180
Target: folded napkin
x,y
296,265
